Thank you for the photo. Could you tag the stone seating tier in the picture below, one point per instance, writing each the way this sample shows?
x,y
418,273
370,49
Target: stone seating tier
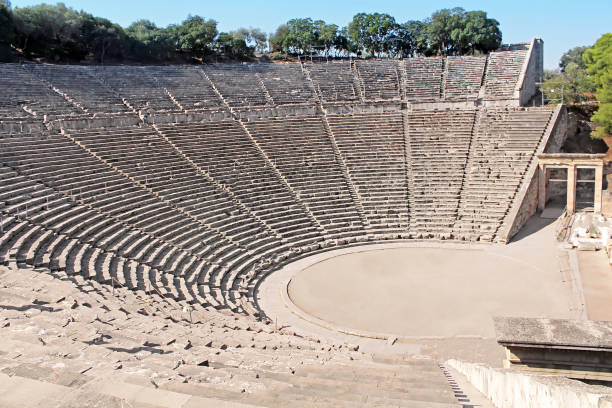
x,y
40,92
214,206
202,210
163,353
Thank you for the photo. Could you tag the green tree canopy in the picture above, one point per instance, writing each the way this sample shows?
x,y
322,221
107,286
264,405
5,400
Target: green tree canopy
x,y
574,55
234,45
373,32
570,86
444,30
259,38
412,39
304,36
150,42
251,36
103,37
343,43
277,40
598,62
326,35
476,32
301,36
570,83
7,24
48,31
59,33
196,35
7,30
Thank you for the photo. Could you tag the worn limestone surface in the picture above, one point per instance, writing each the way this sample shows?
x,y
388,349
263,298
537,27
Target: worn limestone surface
x,y
573,333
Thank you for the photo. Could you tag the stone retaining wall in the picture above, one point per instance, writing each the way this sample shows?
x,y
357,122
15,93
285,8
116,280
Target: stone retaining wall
x,y
532,72
509,389
551,142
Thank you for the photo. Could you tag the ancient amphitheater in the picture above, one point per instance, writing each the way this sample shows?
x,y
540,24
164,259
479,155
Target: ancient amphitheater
x,y
152,218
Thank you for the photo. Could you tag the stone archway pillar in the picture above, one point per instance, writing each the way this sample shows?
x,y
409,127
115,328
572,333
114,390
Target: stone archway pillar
x,y
542,188
571,189
598,188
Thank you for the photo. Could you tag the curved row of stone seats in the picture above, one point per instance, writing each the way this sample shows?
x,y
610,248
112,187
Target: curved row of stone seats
x,y
381,79
149,160
119,179
25,96
65,167
89,296
12,109
239,84
373,147
125,338
186,87
502,74
302,151
137,86
463,77
70,90
221,284
32,124
286,83
423,78
335,81
439,145
78,85
42,228
505,141
106,249
69,226
224,151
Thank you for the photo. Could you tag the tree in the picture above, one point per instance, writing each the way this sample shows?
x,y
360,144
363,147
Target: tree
x,y
234,45
196,35
301,36
259,38
149,42
241,33
253,36
103,37
444,30
574,55
7,29
60,33
412,39
326,35
48,31
343,43
551,73
476,32
7,24
598,62
598,59
304,36
277,40
570,86
372,32
571,82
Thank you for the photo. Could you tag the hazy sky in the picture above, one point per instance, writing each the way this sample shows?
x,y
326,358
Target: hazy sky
x,y
562,24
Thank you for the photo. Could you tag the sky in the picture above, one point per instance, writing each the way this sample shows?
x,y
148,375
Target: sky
x,y
562,24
